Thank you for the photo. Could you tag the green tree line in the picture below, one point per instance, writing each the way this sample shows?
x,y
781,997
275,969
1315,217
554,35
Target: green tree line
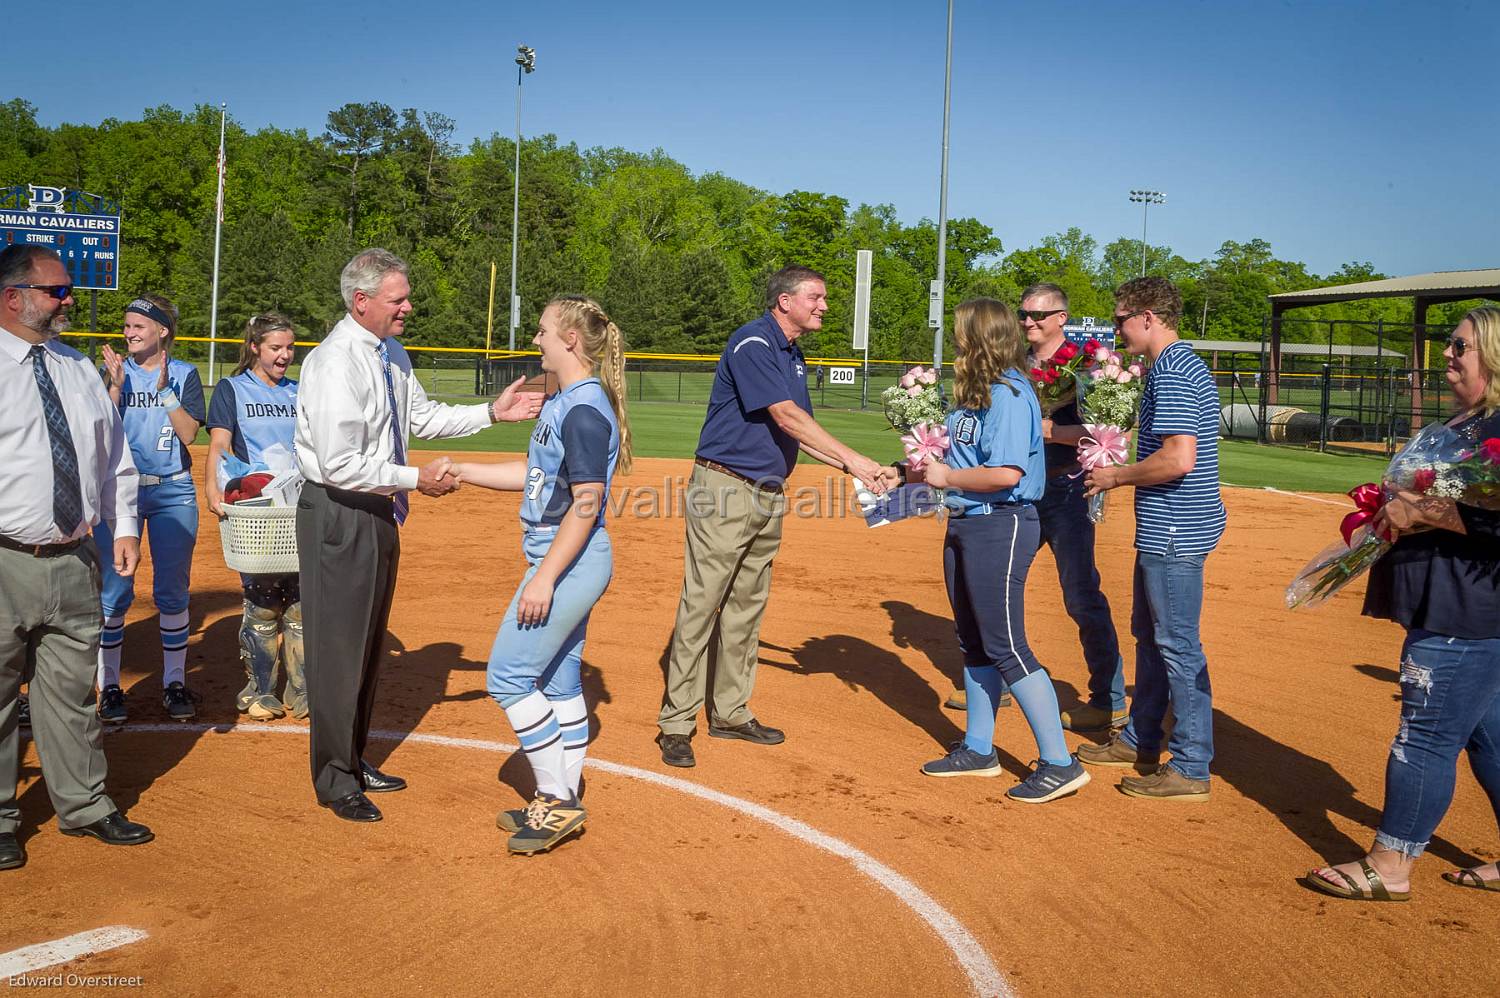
x,y
678,260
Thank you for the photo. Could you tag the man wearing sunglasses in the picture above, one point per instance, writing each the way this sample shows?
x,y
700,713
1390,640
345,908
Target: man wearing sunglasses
x,y
66,467
1066,528
1179,518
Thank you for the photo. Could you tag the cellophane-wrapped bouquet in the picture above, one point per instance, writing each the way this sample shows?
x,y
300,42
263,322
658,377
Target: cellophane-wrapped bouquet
x,y
915,408
1436,462
1111,404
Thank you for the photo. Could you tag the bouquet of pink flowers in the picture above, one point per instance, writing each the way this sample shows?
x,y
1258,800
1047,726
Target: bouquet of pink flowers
x,y
1115,384
1436,462
914,399
915,408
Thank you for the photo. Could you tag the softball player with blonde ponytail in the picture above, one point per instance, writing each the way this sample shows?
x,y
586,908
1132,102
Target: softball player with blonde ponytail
x,y
534,670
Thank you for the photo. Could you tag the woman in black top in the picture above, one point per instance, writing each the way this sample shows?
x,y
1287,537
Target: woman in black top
x,y
1441,581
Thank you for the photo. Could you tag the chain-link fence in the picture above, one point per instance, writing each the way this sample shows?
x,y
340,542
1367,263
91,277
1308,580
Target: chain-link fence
x,y
1341,385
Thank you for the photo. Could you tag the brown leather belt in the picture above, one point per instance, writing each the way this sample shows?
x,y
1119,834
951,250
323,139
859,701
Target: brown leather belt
x,y
704,462
41,550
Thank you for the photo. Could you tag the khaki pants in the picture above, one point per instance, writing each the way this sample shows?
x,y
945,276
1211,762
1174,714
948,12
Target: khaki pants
x,y
733,534
49,637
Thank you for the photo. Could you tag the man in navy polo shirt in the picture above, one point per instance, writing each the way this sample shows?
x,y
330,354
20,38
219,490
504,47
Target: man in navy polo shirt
x,y
759,416
1179,517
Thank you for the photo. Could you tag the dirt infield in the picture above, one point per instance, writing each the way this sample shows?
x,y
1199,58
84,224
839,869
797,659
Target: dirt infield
x,y
249,885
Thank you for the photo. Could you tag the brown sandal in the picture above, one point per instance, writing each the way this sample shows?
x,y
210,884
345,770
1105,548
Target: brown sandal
x,y
1375,889
1468,878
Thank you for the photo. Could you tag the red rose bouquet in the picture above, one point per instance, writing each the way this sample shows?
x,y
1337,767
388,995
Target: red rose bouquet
x,y
1436,462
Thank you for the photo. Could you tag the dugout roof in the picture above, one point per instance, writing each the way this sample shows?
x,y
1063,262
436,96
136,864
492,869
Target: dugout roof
x,y
1442,286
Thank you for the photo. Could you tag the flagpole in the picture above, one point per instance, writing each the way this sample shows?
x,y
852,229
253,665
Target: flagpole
x,y
213,307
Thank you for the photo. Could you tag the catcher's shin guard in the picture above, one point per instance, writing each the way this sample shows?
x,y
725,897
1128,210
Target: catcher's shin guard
x,y
291,656
259,630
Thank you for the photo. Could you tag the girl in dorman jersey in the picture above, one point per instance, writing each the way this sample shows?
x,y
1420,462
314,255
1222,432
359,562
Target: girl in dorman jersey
x,y
254,411
161,402
534,671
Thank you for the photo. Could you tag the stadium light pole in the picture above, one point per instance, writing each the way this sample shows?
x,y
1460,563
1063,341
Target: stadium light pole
x,y
525,63
935,305
1146,199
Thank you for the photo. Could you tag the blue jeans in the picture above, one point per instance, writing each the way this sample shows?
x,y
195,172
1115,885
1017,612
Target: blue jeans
x,y
1450,702
1067,531
549,656
1169,661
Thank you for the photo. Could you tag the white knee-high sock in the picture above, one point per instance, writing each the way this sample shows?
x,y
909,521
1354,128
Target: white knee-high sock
x,y
111,640
536,728
573,719
174,635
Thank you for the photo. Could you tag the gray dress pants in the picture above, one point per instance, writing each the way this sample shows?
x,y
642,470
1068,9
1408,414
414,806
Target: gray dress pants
x,y
49,637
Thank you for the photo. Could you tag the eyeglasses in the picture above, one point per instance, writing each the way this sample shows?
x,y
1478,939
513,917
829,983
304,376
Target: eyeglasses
x,y
1120,320
59,291
1037,314
1458,345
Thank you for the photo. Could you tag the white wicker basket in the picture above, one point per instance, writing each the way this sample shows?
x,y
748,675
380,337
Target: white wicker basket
x,y
260,540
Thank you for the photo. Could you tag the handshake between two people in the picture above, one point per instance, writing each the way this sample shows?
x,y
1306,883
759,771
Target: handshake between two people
x,y
439,477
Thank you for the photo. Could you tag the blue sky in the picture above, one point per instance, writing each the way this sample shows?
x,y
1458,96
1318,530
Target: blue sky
x,y
1338,131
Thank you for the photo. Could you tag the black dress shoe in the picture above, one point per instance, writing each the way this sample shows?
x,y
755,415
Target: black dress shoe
x,y
377,782
676,750
355,807
12,855
751,731
114,830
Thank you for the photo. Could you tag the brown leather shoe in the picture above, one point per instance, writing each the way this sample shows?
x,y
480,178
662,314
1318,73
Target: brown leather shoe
x,y
1116,753
1165,784
1087,717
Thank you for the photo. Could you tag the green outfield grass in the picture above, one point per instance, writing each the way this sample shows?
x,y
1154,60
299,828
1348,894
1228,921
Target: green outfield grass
x,y
671,430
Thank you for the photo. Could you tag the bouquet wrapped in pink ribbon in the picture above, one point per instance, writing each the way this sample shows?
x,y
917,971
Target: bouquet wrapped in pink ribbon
x,y
926,442
1105,445
1115,384
915,408
1435,462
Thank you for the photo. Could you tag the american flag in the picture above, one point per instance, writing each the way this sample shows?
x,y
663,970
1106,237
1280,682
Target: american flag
x,y
220,202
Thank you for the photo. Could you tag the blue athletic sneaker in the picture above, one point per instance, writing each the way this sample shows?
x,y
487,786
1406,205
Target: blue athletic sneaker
x,y
1049,782
964,761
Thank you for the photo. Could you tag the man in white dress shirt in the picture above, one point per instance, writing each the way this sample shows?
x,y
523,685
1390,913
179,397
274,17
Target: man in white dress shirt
x,y
64,465
357,402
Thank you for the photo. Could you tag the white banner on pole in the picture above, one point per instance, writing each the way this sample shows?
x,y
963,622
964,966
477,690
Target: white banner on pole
x,y
863,261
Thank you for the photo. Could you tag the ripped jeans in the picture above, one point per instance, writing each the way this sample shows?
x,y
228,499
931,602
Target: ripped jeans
x,y
1450,703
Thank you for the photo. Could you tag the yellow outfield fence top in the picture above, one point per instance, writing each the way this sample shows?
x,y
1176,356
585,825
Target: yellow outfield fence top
x,y
501,354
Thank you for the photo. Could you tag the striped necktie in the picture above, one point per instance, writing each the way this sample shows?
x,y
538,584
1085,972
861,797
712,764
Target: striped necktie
x,y
67,494
400,500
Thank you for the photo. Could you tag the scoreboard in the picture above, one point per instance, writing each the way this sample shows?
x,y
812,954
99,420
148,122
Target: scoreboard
x,y
1080,332
89,244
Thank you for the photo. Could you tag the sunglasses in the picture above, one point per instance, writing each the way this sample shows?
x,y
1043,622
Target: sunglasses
x,y
1120,320
59,291
1458,345
1037,314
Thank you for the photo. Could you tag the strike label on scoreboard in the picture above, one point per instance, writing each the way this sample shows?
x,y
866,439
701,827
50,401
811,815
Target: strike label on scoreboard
x,y
83,229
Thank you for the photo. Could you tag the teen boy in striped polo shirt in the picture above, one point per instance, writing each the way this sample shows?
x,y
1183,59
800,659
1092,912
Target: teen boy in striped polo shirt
x,y
1179,518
